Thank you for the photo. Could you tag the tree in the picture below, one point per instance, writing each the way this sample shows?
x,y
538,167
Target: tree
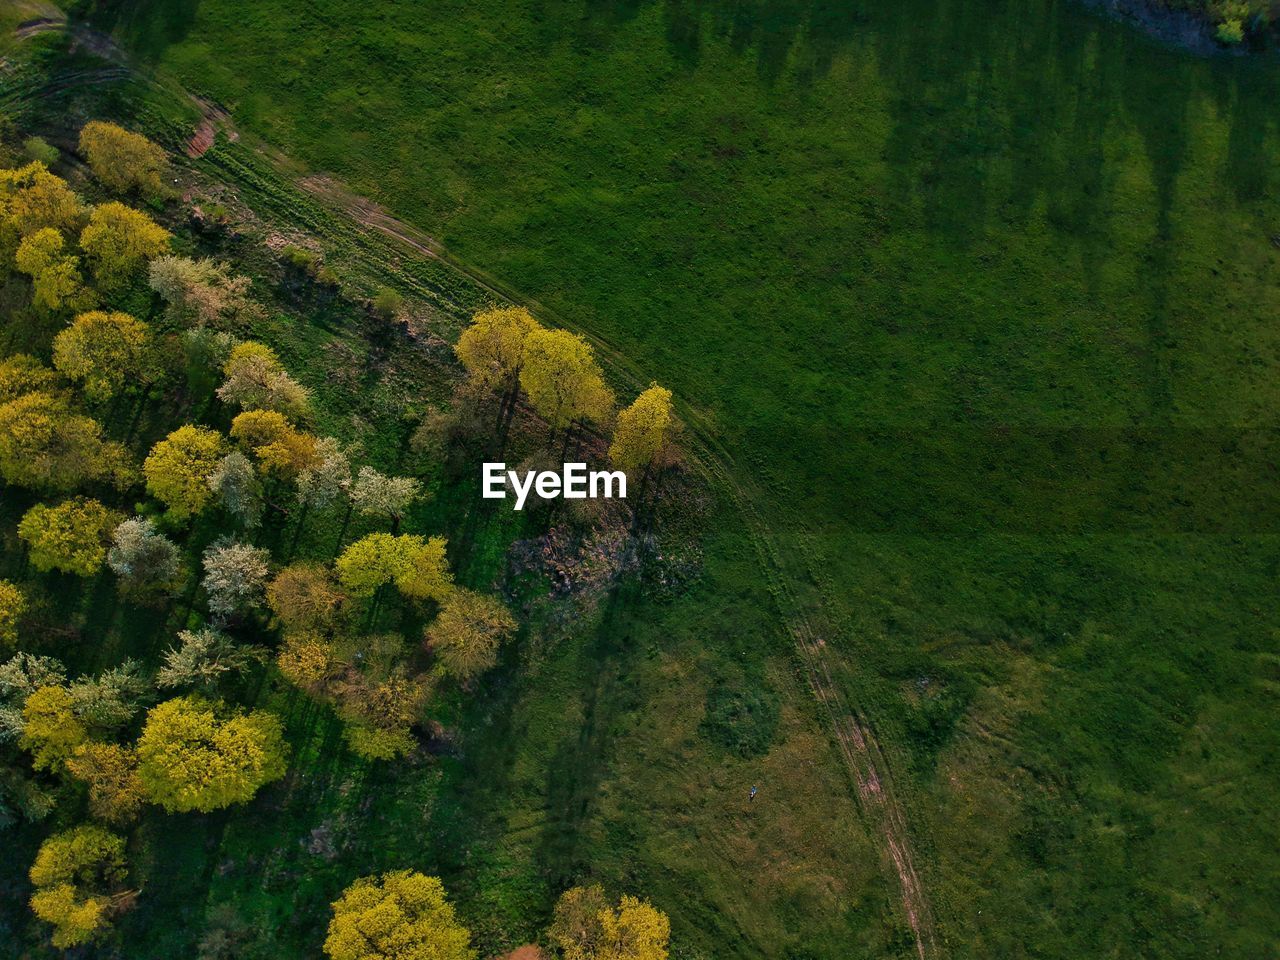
x,y
77,876
44,444
55,275
50,728
105,351
585,927
21,374
193,755
122,160
31,199
111,773
144,559
13,604
492,349
402,915
236,483
21,676
327,479
234,576
644,430
575,926
562,379
279,446
378,715
304,596
256,380
307,660
426,575
71,536
468,631
118,241
111,699
417,566
377,495
179,467
199,292
202,658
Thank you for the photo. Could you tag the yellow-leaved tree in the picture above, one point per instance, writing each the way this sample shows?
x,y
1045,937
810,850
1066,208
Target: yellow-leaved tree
x,y
118,241
13,604
31,199
195,754
78,877
111,773
72,536
417,566
467,633
123,160
562,379
55,274
492,350
45,444
179,467
50,730
281,448
585,927
644,431
104,351
402,915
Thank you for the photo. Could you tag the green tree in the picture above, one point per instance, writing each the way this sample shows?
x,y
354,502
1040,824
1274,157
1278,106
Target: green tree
x,y
13,604
50,729
71,536
78,876
468,631
193,756
179,467
105,351
402,915
374,494
122,160
644,431
118,241
237,486
202,658
110,700
562,379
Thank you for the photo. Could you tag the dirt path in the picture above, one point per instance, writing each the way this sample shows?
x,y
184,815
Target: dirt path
x,y
860,751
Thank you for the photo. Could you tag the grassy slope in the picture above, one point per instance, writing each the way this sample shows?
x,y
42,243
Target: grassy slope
x,y
982,294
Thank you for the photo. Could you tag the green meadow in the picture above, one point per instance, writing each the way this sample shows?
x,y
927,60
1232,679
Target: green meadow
x,y
978,306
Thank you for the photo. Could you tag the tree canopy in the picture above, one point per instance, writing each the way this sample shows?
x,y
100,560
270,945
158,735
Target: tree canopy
x,y
196,755
75,874
402,915
122,160
492,348
118,241
179,467
643,430
104,351
71,536
562,379
468,631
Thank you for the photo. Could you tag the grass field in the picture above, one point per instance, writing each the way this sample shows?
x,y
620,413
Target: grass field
x,y
981,301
